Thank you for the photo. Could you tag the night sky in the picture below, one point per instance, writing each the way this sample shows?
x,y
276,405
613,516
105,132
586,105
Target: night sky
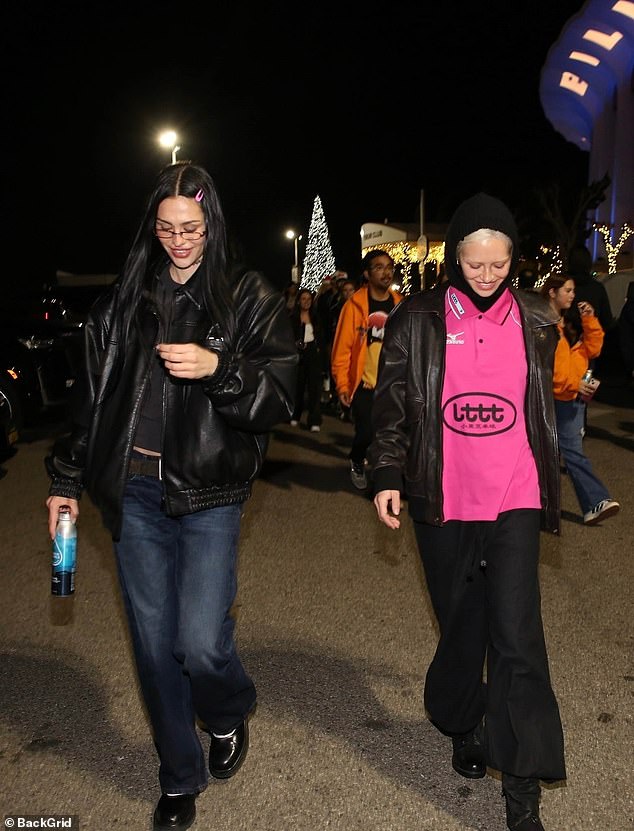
x,y
364,106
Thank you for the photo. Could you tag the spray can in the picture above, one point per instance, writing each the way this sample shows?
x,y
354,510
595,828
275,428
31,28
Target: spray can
x,y
64,554
587,378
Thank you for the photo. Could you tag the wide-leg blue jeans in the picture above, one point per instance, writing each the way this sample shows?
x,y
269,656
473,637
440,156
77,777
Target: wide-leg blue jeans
x,y
178,578
589,489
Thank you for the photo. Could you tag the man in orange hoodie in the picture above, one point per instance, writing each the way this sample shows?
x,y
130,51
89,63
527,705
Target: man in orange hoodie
x,y
355,352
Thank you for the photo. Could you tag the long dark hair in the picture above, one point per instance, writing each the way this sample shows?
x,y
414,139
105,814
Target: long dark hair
x,y
571,318
137,279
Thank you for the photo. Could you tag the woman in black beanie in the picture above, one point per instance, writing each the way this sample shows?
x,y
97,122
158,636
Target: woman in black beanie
x,y
464,425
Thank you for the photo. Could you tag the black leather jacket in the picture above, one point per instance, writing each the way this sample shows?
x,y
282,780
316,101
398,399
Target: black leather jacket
x,y
215,431
406,453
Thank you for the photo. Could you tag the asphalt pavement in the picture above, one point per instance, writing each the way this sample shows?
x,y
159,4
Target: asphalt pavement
x,y
334,625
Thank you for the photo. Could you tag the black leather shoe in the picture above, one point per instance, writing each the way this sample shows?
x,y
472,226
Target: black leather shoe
x,y
175,812
228,753
468,757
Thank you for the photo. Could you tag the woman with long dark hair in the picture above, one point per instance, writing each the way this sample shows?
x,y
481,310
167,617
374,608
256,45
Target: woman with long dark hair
x,y
189,363
580,342
307,331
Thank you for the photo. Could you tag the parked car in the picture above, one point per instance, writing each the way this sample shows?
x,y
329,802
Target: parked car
x,y
41,348
65,304
38,364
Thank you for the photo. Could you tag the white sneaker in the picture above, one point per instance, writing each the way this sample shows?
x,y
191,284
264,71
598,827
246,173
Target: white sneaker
x,y
294,423
315,428
357,476
606,508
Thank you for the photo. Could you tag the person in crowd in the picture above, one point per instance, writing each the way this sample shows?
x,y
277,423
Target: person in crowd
x,y
588,289
190,362
355,352
345,289
324,301
306,329
464,426
626,331
290,296
328,304
572,359
348,288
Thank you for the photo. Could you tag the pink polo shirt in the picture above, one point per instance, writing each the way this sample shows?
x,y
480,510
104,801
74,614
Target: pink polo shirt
x,y
488,466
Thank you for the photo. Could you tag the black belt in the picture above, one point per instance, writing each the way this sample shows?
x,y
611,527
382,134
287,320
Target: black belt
x,y
145,465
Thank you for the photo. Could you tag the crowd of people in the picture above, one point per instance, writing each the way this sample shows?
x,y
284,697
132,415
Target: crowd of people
x,y
192,360
479,488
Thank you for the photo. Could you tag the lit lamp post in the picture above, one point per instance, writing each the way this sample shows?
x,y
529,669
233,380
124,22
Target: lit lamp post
x,y
169,139
290,234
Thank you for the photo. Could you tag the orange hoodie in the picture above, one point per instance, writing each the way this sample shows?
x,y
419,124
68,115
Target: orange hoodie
x,y
572,361
351,343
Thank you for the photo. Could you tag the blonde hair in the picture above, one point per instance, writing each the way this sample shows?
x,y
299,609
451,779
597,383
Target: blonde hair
x,y
482,234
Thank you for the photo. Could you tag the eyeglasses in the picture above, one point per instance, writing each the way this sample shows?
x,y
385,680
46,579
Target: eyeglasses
x,y
191,236
388,268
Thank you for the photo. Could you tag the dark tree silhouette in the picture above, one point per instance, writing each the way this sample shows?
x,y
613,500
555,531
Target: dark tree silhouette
x,y
571,229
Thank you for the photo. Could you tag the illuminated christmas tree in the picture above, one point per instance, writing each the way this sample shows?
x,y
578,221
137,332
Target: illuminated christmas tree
x,y
319,261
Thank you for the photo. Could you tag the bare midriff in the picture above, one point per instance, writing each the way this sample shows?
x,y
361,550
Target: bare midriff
x,y
146,452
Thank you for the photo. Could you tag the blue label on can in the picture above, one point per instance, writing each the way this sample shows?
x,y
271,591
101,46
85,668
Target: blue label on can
x,y
64,553
64,559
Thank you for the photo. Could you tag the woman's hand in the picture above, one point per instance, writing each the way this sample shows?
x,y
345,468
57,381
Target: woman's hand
x,y
53,504
382,502
187,360
588,388
585,309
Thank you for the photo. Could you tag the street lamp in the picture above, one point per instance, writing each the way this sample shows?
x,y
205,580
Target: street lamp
x,y
169,139
290,234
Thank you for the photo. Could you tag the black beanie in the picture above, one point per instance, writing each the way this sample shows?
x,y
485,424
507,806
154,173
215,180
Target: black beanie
x,y
479,211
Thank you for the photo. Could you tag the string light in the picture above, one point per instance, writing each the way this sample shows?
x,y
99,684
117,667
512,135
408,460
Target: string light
x,y
555,266
406,257
612,251
319,261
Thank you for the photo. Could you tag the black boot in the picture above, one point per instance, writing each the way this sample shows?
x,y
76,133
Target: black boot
x,y
522,803
469,757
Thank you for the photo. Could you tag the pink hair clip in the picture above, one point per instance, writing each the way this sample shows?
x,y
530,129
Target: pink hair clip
x,y
199,196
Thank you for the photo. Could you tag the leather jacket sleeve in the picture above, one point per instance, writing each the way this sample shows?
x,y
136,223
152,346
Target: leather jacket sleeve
x,y
65,465
254,384
388,453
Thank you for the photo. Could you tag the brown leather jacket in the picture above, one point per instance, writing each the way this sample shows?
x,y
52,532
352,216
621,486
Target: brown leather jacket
x,y
406,453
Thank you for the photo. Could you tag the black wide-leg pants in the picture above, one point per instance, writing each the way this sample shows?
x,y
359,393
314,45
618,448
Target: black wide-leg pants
x,y
483,583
